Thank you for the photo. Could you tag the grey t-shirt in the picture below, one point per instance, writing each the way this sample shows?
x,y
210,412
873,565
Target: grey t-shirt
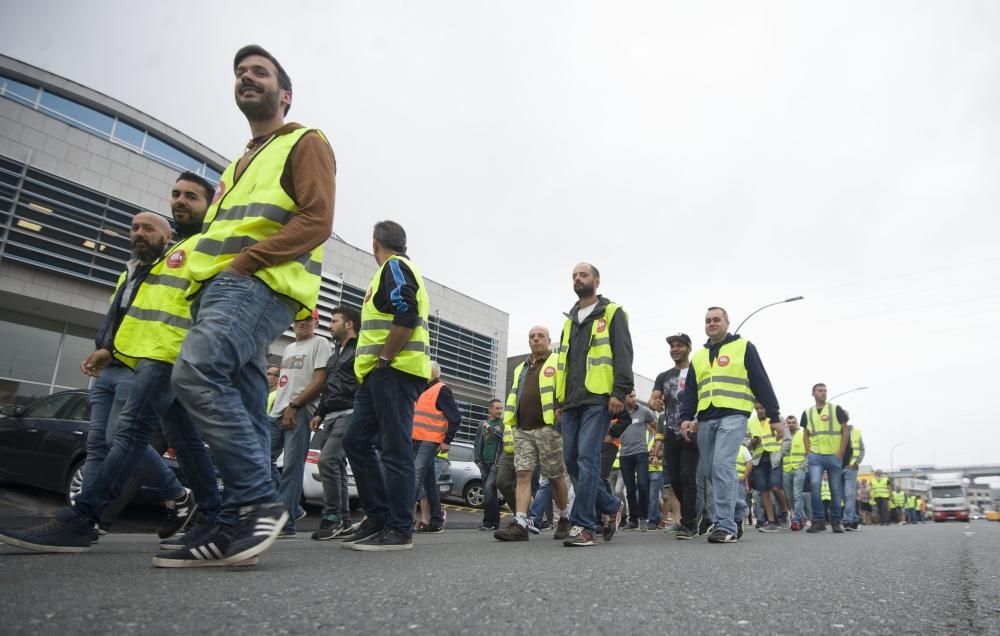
x,y
634,437
299,361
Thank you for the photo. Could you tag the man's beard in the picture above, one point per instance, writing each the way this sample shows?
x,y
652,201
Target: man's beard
x,y
147,253
584,291
263,109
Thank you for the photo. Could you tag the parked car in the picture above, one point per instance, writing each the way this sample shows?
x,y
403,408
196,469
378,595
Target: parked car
x,y
312,487
468,482
43,443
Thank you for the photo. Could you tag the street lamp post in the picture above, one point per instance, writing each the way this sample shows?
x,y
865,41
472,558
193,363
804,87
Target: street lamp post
x,y
860,388
892,464
787,300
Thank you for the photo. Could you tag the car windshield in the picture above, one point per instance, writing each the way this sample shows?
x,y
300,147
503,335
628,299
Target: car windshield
x,y
947,492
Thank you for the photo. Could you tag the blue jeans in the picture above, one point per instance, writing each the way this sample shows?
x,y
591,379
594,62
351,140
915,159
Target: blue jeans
x,y
541,504
655,488
491,503
583,431
831,464
193,457
130,451
383,419
793,483
294,442
850,479
635,474
718,444
425,476
220,379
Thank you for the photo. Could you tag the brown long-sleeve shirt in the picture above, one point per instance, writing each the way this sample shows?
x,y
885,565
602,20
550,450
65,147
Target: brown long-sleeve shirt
x,y
309,178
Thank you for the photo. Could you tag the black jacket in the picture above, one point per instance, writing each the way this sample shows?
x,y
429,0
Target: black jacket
x,y
760,386
341,383
579,345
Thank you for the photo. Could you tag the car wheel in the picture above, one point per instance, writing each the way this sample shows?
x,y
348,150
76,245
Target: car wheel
x,y
474,495
74,482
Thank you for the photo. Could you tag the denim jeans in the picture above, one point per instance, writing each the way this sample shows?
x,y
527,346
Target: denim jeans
x,y
719,442
147,402
107,397
882,505
383,419
220,379
541,504
635,474
491,505
294,443
425,475
332,466
831,464
193,457
793,483
583,431
850,480
655,489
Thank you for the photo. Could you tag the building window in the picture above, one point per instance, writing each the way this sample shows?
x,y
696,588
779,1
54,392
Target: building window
x,y
19,92
28,359
76,114
130,135
352,296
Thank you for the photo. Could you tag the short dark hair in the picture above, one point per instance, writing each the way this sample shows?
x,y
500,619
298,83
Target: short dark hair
x,y
284,81
818,384
594,271
725,313
391,236
494,401
205,184
350,315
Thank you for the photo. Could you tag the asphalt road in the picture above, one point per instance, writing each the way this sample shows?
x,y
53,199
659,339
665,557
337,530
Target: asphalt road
x,y
929,579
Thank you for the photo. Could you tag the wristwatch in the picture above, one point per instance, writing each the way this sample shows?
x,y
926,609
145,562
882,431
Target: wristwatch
x,y
293,405
383,362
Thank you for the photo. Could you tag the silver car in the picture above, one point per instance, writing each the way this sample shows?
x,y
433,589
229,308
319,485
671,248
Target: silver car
x,y
465,475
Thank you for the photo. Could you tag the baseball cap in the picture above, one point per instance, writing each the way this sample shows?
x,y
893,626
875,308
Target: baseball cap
x,y
683,337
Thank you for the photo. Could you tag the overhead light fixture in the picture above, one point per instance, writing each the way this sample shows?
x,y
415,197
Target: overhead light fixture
x,y
28,225
89,245
39,207
110,232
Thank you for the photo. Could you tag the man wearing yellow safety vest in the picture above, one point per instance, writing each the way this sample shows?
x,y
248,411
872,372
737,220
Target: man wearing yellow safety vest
x,y
145,340
794,468
899,505
767,473
436,419
852,460
257,265
392,365
880,493
826,437
724,379
593,377
530,417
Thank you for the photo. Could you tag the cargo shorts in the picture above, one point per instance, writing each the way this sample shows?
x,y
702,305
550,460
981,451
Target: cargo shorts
x,y
539,446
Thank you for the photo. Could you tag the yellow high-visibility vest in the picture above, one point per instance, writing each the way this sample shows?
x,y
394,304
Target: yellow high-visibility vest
x,y
724,382
600,378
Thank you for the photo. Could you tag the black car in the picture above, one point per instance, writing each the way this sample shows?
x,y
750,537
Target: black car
x,y
43,444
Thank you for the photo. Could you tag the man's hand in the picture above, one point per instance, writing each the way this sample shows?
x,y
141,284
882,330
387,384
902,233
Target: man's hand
x,y
656,403
95,362
288,418
615,405
839,454
558,414
315,423
690,426
608,439
443,448
657,448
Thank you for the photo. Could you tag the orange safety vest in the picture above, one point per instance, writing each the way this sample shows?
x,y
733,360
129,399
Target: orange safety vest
x,y
429,423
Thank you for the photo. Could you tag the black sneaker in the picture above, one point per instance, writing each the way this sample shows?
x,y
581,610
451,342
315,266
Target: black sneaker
x,y
205,550
388,540
180,515
685,534
192,536
287,533
256,530
327,528
487,527
364,530
817,526
562,529
722,536
632,525
513,532
612,524
580,537
770,526
432,527
838,528
704,527
739,531
52,536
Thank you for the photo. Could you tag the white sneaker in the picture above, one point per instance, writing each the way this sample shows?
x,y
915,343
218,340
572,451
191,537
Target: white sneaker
x,y
532,528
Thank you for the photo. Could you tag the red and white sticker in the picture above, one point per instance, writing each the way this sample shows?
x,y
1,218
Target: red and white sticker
x,y
368,295
824,417
602,324
219,191
176,259
723,361
283,380
549,371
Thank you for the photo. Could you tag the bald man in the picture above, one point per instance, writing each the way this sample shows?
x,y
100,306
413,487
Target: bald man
x,y
529,418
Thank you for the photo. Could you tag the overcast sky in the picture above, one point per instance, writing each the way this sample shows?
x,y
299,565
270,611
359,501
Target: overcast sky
x,y
733,154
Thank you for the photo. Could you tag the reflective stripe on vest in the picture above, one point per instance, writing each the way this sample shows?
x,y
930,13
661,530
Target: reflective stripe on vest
x,y
600,378
508,439
880,487
824,429
898,499
657,465
429,423
824,491
160,315
251,209
724,382
741,466
855,446
546,388
796,453
414,358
